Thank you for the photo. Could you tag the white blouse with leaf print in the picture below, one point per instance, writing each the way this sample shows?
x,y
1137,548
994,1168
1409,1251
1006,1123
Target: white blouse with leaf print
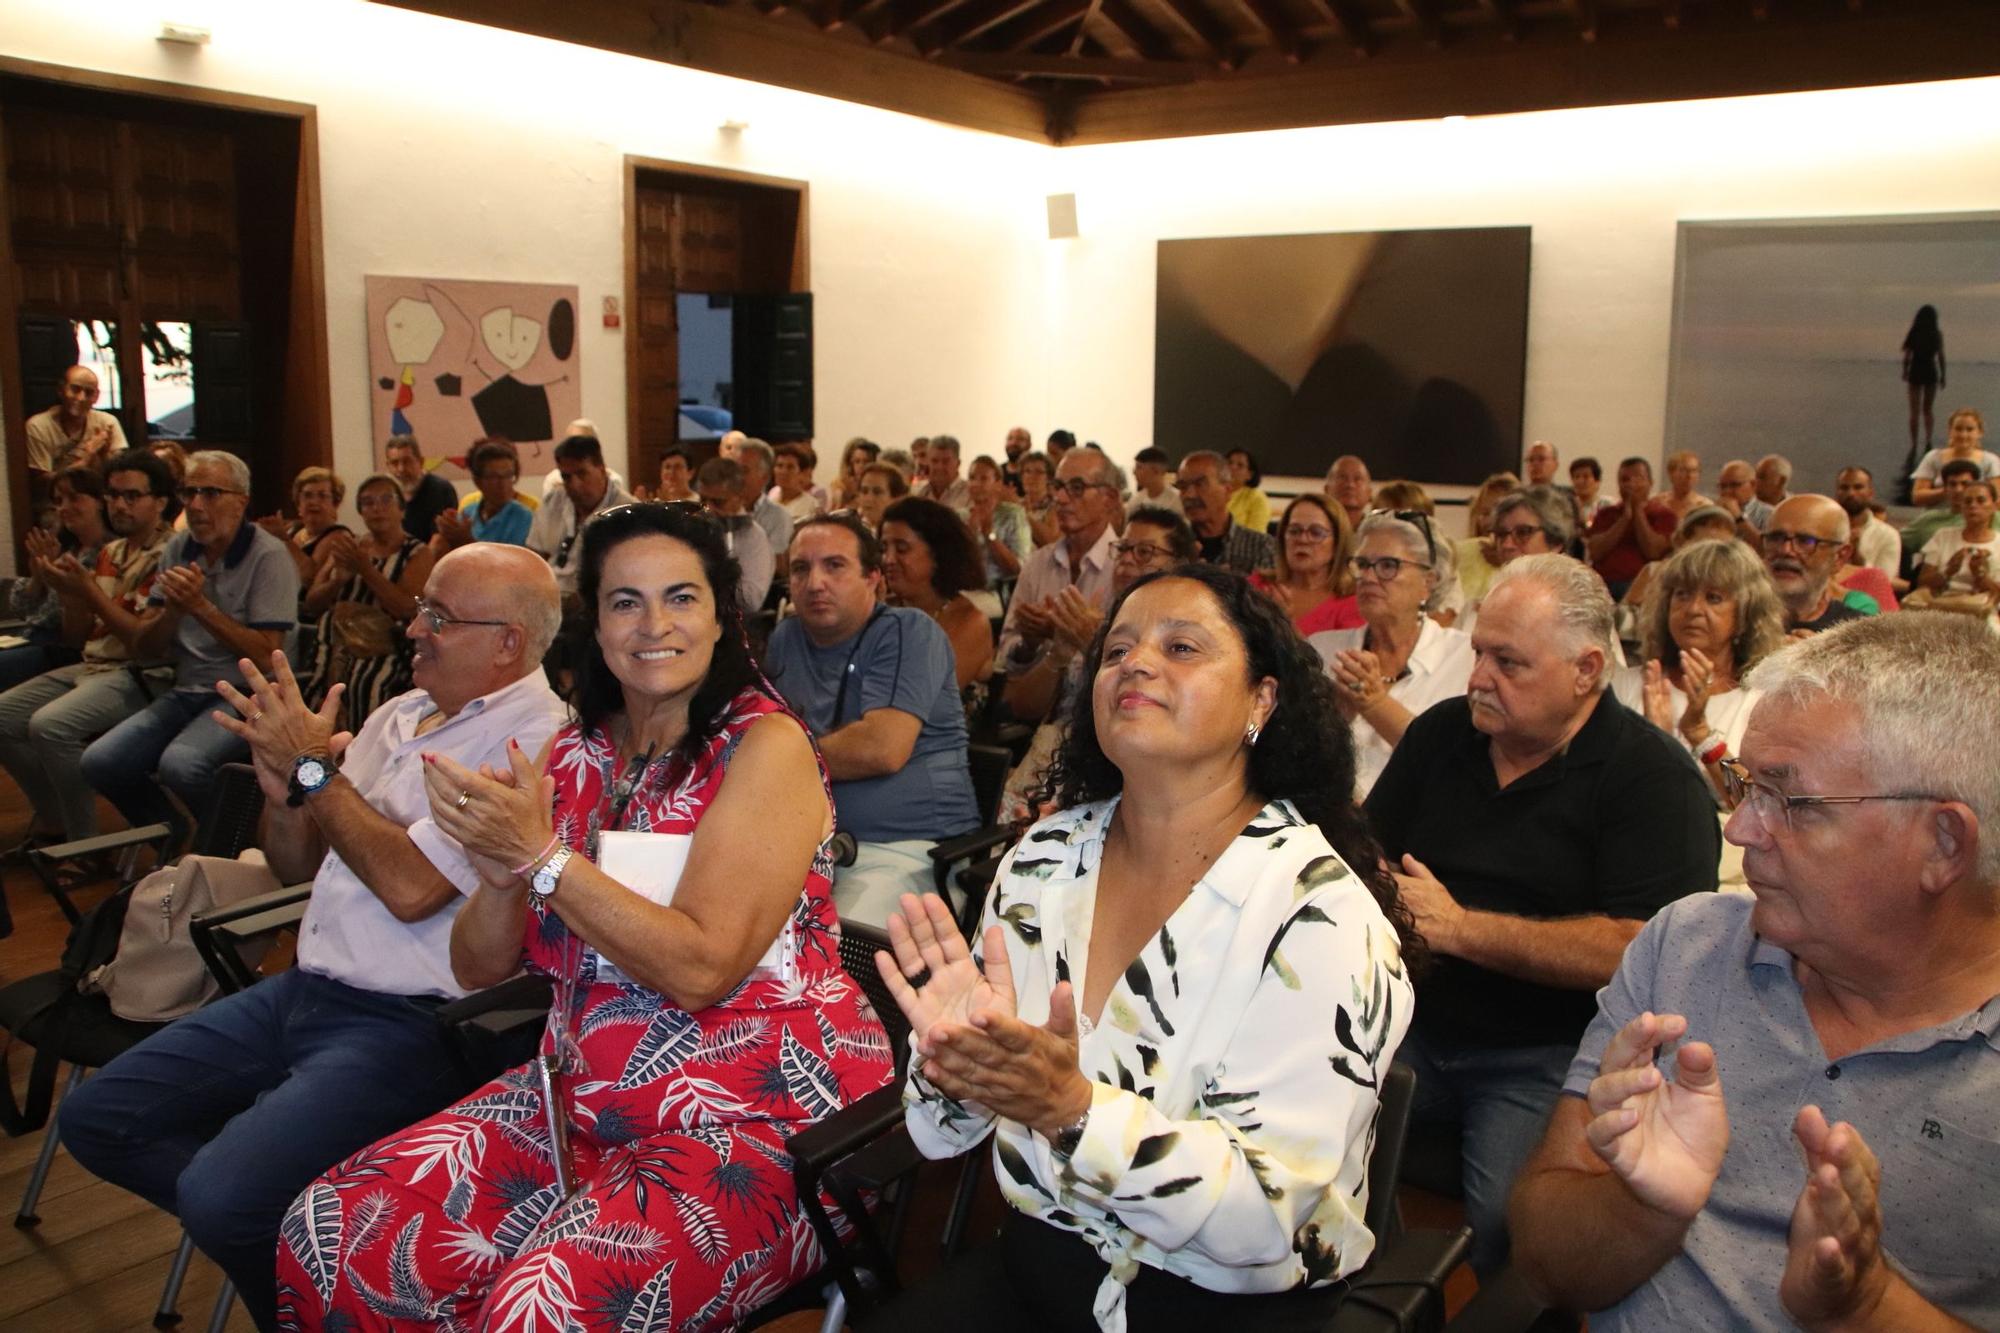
x,y
1235,1065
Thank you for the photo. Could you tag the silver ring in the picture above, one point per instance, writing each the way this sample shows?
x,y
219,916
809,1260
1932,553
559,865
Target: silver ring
x,y
463,797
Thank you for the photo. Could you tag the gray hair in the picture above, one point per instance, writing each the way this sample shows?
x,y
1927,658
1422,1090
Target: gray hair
x,y
1732,569
1927,687
757,449
1702,516
238,470
901,460
720,471
541,619
1221,463
1556,511
1583,603
1114,477
1421,550
946,442
1779,461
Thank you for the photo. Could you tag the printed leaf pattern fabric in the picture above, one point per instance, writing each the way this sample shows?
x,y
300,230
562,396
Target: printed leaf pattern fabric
x,y
686,1216
1235,1063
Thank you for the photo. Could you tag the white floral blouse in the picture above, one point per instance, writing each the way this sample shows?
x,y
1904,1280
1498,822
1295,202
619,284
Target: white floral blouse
x,y
1235,1063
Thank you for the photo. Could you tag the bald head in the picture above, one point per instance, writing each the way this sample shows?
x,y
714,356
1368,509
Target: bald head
x,y
495,581
1802,576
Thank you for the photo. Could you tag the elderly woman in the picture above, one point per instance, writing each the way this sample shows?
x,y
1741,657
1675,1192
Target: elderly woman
x,y
999,525
1703,523
1189,984
364,595
498,512
316,496
666,864
882,484
1711,616
928,563
1038,496
1401,661
854,459
1311,579
1535,520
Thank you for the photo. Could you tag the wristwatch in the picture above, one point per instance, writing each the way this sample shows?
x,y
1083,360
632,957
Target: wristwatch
x,y
1065,1140
310,773
544,881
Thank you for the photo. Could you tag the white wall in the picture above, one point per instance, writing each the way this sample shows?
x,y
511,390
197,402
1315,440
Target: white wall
x,y
456,150
1602,188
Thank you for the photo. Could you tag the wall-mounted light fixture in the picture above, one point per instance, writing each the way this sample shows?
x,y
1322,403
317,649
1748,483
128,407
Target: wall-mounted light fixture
x,y
184,34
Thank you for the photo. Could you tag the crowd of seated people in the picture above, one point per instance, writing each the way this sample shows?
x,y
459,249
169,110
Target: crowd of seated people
x,y
1295,803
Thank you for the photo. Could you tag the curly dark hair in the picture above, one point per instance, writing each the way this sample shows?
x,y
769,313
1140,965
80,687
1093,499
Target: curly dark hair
x,y
955,565
1305,753
597,694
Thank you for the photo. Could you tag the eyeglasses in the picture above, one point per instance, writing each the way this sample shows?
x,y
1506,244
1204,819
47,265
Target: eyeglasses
x,y
1519,533
129,497
1143,551
1383,569
438,620
324,497
1803,542
1762,799
1078,487
379,499
189,494
1311,532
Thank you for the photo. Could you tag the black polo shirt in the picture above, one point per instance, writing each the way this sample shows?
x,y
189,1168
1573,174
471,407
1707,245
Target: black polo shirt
x,y
1619,824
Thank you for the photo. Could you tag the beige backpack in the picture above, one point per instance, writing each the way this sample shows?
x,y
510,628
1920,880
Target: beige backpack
x,y
157,974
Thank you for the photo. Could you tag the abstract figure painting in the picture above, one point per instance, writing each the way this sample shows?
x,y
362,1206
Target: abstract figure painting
x,y
451,360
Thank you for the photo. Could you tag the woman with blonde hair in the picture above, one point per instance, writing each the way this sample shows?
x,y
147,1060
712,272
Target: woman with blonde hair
x,y
1311,579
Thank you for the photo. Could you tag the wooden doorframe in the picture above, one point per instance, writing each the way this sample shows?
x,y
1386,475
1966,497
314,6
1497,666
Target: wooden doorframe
x,y
304,437
801,276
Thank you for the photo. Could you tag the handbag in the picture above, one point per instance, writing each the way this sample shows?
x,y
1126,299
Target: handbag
x,y
362,629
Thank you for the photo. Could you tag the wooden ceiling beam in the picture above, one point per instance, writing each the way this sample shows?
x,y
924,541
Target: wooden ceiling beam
x,y
1145,38
1206,29
1346,24
1423,17
1276,26
967,22
900,16
1042,23
1007,64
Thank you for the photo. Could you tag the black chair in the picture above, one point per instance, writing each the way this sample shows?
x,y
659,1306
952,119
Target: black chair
x,y
990,765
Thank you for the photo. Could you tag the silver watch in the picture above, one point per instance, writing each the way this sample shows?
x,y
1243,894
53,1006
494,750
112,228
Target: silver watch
x,y
545,880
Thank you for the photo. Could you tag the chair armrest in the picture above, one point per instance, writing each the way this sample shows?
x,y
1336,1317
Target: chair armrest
x,y
105,842
1505,1304
503,1007
967,847
1402,1287
819,1146
217,934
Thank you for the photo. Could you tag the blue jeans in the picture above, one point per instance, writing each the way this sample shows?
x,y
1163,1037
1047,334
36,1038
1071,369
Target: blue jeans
x,y
1500,1097
175,736
223,1117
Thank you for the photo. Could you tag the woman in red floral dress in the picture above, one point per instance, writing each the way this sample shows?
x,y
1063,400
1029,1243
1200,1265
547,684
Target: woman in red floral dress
x,y
701,1012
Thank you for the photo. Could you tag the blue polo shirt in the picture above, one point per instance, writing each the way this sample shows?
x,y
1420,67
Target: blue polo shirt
x,y
1926,1102
255,583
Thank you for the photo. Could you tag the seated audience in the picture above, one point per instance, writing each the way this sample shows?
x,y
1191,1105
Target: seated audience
x,y
1735,487
881,485
1625,536
720,484
680,991
677,467
1400,661
46,721
1586,483
364,597
792,477
1708,523
224,1116
1204,486
1683,475
1712,616
1955,476
1018,443
316,496
81,531
858,454
1080,560
1310,577
425,493
941,481
756,458
1038,498
1476,556
1964,435
1956,569
1153,482
1876,545
1154,539
903,462
928,565
1058,443
496,511
879,688
226,590
1805,544
1248,504
1773,475
1181,1120
1349,486
1783,1114
71,433
998,525
1536,823
1535,520
1541,464
585,490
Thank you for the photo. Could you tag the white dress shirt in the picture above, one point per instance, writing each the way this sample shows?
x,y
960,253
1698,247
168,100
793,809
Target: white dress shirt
x,y
1438,668
348,933
1880,546
1044,574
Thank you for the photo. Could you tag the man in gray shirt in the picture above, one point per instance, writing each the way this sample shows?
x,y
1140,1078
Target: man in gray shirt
x,y
226,590
1787,1111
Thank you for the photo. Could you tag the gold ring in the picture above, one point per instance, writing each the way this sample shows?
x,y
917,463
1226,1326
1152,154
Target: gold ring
x,y
463,797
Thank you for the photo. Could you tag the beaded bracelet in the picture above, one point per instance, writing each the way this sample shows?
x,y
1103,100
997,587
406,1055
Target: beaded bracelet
x,y
1715,751
539,857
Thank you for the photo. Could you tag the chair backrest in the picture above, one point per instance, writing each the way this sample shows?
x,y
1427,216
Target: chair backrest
x,y
230,823
990,765
1385,1164
858,943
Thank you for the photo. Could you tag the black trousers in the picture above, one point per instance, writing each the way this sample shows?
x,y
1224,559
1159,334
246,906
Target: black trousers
x,y
1041,1277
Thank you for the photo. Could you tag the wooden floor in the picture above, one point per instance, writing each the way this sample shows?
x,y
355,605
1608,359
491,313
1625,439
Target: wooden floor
x,y
98,1259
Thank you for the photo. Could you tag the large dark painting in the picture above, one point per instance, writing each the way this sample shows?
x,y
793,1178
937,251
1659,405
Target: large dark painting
x,y
1408,348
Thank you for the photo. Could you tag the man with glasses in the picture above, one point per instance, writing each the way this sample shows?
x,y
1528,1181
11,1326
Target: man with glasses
x,y
425,493
1786,1112
1204,486
1536,823
224,1116
1805,543
46,722
586,488
497,511
719,483
1080,558
226,590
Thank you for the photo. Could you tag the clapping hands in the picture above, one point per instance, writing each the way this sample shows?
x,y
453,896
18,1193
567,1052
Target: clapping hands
x,y
1664,1139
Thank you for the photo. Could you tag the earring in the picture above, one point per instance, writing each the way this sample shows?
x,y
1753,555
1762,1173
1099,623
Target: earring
x,y
1250,735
